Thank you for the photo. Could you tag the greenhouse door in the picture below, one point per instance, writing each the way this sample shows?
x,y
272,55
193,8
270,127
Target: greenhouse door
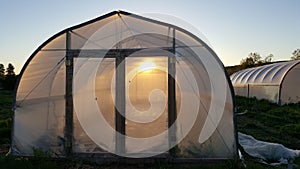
x,y
145,93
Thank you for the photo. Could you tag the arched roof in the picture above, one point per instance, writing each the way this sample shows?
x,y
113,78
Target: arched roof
x,y
130,27
271,74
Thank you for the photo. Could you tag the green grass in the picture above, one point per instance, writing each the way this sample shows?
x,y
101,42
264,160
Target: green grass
x,y
5,116
6,98
270,122
25,163
47,163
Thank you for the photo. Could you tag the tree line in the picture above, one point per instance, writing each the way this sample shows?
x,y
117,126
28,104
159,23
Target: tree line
x,y
254,59
8,77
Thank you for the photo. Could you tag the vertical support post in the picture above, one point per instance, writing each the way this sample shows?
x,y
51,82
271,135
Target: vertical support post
x,y
279,95
248,90
68,132
120,104
172,112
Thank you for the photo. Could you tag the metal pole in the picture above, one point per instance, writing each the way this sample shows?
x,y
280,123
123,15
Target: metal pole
x,y
68,132
120,104
172,112
248,90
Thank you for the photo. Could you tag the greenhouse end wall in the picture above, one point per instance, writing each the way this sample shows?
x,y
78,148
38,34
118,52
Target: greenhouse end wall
x,y
290,92
124,85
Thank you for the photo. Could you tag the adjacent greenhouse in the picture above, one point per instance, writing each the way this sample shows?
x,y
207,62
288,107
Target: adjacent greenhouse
x,y
277,82
127,85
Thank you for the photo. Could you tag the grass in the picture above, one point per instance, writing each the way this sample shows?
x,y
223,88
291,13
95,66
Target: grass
x,y
25,163
5,117
270,122
48,163
263,120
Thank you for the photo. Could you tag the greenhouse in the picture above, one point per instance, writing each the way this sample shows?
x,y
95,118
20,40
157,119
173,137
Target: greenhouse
x,y
278,82
122,85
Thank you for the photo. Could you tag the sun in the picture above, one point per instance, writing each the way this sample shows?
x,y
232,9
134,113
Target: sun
x,y
147,66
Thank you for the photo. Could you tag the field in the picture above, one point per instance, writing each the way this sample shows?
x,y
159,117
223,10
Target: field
x,y
270,122
260,118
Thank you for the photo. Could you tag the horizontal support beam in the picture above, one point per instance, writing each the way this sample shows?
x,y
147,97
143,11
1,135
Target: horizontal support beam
x,y
112,53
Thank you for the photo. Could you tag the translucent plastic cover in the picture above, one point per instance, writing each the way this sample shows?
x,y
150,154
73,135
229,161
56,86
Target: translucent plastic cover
x,y
139,88
275,82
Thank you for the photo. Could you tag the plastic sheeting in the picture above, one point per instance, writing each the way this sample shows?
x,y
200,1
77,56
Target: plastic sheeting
x,y
276,82
202,88
267,151
271,74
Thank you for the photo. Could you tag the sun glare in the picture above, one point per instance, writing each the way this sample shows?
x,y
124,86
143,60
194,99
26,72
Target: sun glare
x,y
147,66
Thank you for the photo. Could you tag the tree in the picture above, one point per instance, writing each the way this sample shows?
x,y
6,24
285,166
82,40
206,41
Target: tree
x,y
2,72
296,55
10,78
268,58
10,70
2,75
253,59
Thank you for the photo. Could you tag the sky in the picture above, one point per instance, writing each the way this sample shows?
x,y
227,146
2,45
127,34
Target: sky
x,y
234,28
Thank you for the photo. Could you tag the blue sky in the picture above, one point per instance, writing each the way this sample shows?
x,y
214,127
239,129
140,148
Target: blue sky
x,y
233,27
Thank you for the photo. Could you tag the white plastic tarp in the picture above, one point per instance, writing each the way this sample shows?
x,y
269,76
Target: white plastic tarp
x,y
266,150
